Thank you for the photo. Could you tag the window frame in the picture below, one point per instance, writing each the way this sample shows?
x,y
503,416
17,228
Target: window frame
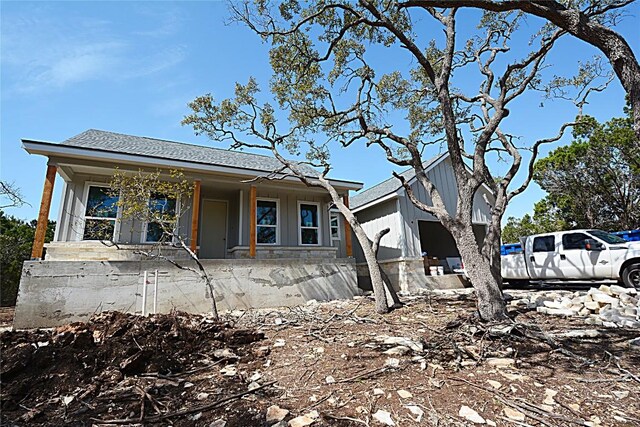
x,y
335,213
533,244
117,222
145,228
277,226
587,236
318,228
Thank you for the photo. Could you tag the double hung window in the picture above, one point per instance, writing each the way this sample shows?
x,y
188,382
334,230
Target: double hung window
x,y
267,222
309,223
101,213
162,218
334,225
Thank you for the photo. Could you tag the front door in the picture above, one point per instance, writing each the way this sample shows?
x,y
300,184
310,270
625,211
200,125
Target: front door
x,y
213,229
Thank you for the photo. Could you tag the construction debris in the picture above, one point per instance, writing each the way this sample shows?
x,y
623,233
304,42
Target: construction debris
x,y
325,364
608,306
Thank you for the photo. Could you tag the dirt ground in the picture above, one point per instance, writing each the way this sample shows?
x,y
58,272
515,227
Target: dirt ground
x,y
339,363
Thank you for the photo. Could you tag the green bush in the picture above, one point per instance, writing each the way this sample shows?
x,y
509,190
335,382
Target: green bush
x,y
16,239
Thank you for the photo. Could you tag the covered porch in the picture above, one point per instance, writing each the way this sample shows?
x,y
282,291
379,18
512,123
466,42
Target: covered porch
x,y
225,218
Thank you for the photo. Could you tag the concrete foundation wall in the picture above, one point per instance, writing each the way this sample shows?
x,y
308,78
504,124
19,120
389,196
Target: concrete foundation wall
x,y
56,292
409,275
96,251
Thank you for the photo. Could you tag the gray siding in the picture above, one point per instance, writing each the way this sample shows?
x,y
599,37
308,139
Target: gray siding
x,y
72,209
288,215
379,217
407,232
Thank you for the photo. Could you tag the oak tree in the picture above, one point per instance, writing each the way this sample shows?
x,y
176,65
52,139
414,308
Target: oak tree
x,y
332,78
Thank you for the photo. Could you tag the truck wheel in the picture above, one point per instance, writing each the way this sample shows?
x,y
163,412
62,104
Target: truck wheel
x,y
631,276
519,283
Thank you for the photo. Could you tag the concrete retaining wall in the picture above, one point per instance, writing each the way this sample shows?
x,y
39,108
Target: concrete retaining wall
x,y
57,292
409,275
96,251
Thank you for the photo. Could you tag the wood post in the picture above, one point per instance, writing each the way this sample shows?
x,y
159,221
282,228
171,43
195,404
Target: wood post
x,y
195,214
347,229
253,219
43,215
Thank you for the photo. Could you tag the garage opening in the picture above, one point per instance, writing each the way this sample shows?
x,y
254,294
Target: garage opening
x,y
438,247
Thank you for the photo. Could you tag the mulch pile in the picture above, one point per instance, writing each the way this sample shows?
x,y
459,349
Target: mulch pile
x,y
122,368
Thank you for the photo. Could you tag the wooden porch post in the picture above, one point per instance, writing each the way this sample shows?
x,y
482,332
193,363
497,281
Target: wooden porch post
x,y
43,215
195,213
347,230
252,221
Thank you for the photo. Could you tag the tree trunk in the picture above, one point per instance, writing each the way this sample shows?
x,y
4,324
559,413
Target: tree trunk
x,y
377,283
391,293
365,243
491,305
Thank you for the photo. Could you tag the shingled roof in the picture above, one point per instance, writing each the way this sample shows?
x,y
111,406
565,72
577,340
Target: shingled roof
x,y
388,186
160,148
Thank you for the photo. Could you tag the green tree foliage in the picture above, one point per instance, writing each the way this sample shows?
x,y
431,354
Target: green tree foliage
x,y
16,240
546,218
334,85
594,182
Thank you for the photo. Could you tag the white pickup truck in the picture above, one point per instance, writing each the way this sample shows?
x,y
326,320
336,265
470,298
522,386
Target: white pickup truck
x,y
577,255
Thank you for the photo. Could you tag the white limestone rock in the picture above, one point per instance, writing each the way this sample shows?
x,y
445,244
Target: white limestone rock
x,y
384,417
470,415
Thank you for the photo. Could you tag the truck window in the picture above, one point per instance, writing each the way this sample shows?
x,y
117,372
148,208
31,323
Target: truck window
x,y
544,244
574,241
612,239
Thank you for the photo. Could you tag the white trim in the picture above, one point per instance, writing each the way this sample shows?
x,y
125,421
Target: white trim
x,y
226,221
63,205
318,228
48,148
277,227
338,215
85,198
375,202
240,211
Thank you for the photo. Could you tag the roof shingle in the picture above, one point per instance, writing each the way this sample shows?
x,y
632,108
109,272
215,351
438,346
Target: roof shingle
x,y
160,148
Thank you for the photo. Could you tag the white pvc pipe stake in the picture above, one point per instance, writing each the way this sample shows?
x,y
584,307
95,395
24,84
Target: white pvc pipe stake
x,y
144,294
155,292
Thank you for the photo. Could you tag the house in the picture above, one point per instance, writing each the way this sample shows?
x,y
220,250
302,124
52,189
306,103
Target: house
x,y
265,243
407,252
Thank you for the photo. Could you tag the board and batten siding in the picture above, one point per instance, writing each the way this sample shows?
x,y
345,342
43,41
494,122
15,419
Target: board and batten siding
x,y
407,215
72,208
288,215
381,216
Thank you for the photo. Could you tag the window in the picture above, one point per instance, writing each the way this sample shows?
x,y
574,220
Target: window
x,y
100,215
334,225
607,237
309,223
574,241
544,244
267,221
162,210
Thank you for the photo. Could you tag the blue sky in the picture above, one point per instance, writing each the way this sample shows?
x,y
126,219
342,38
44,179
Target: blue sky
x,y
131,67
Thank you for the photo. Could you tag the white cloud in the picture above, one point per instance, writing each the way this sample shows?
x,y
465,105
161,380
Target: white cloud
x,y
45,51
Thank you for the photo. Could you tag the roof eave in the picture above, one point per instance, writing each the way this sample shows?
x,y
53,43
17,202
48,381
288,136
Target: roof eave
x,y
381,199
52,149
